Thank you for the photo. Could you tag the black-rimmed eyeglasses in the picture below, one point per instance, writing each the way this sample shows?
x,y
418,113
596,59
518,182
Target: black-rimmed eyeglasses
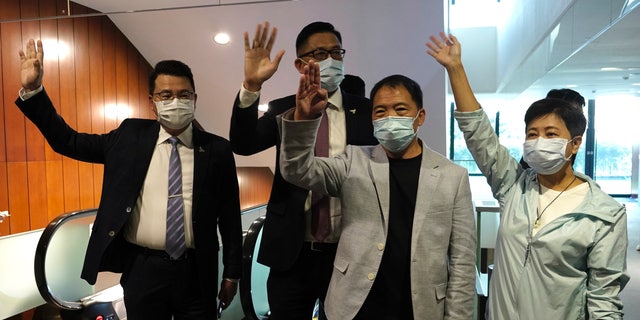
x,y
321,54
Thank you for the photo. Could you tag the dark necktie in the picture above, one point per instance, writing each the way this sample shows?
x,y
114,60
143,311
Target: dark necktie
x,y
320,209
175,244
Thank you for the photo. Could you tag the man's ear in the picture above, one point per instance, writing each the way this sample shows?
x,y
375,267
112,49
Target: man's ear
x,y
299,65
577,141
152,105
422,116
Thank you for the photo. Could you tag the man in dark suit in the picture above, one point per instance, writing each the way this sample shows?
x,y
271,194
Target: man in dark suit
x,y
131,231
300,263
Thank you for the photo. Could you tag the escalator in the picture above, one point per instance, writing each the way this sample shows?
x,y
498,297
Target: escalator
x,y
60,255
58,263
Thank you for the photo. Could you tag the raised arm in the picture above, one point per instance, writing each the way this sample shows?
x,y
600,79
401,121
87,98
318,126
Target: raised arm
x,y
447,52
258,66
249,133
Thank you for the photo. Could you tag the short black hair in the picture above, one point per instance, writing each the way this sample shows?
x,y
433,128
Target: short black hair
x,y
313,28
573,118
353,84
397,80
568,95
172,68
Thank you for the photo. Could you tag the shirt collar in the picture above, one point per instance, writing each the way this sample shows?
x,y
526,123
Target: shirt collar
x,y
186,137
336,100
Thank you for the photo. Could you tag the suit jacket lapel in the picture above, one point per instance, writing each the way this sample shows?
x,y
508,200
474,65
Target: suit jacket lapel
x,y
201,155
427,183
146,144
379,172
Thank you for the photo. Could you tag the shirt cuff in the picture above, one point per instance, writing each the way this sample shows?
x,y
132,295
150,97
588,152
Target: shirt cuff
x,y
247,98
24,94
231,280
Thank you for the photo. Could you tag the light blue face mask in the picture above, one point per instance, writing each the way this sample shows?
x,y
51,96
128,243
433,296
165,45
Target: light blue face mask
x,y
331,73
394,133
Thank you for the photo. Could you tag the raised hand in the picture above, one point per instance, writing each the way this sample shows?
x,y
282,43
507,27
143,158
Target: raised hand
x,y
258,66
31,70
445,50
311,98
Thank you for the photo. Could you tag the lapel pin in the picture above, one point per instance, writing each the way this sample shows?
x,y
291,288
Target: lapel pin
x,y
200,149
353,111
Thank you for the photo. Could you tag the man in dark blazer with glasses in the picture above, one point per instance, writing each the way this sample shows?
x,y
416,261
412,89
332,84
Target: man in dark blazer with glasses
x,y
300,264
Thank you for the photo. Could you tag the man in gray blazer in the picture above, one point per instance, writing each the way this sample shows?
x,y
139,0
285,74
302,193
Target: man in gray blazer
x,y
407,249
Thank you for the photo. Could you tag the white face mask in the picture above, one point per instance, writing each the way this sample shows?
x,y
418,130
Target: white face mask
x,y
546,156
331,73
394,133
176,114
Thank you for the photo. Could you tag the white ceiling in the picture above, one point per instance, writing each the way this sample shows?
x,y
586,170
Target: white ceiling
x,y
381,37
617,46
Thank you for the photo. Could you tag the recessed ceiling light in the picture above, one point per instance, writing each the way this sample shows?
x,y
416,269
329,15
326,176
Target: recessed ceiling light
x,y
222,38
610,69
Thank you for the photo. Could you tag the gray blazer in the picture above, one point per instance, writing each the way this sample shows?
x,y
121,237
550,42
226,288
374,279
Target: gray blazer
x,y
443,245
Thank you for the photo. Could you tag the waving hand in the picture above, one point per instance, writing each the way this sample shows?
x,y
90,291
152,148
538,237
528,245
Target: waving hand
x,y
258,66
31,70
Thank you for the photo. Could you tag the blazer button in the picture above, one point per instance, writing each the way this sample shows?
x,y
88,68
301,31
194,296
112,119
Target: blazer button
x,y
112,233
380,246
371,276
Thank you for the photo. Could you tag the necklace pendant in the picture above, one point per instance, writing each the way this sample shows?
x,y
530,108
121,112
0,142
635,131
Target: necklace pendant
x,y
535,225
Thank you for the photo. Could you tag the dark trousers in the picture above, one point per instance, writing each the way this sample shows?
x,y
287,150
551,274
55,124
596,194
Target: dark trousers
x,y
293,293
156,287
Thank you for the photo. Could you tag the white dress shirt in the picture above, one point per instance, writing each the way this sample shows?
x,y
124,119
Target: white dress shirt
x,y
147,225
337,145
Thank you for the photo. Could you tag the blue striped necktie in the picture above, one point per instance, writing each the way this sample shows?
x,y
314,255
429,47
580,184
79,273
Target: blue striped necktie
x,y
175,244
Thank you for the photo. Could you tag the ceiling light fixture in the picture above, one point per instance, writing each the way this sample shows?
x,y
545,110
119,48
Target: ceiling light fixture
x,y
222,38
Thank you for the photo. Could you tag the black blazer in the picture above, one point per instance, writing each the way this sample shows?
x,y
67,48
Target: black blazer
x,y
126,153
284,226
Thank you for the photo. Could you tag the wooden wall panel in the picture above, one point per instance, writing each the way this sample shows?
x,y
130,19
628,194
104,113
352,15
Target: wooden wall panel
x,y
145,109
255,186
3,145
132,82
109,74
13,144
18,196
122,97
55,189
4,199
99,70
37,187
13,119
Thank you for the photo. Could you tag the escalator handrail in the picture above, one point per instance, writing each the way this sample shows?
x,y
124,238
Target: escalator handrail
x,y
248,249
40,258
